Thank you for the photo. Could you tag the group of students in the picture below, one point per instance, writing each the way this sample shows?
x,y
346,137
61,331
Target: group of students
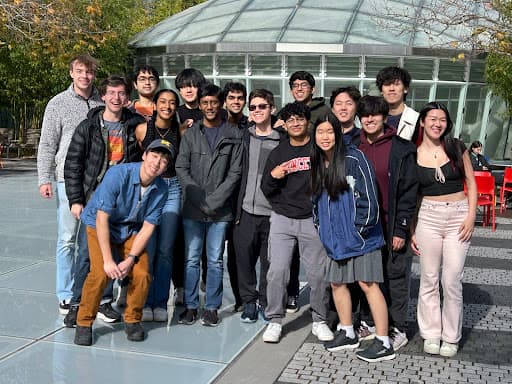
x,y
304,183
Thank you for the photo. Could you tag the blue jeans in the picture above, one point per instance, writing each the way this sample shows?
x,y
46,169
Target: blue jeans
x,y
195,234
161,247
71,240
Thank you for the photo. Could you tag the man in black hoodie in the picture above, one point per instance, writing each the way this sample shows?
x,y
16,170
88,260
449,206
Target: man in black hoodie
x,y
302,88
104,139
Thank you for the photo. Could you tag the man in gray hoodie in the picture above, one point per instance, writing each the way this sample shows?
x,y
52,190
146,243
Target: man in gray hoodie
x,y
61,117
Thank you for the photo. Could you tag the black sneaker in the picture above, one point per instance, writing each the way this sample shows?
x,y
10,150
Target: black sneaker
x,y
292,305
341,342
238,307
250,313
63,308
188,316
83,336
210,318
376,352
134,331
70,319
108,314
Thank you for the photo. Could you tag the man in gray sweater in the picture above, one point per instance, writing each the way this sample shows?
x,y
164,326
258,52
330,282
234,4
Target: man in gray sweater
x,y
62,115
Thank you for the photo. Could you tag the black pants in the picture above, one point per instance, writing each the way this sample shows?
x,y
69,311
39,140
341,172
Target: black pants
x,y
250,240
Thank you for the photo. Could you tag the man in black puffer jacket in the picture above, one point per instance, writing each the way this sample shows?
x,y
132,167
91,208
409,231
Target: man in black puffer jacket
x,y
104,139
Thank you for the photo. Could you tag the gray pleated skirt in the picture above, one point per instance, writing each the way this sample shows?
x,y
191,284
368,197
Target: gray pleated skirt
x,y
367,267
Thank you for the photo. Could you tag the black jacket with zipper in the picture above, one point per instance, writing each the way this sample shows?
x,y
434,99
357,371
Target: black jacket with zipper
x,y
87,157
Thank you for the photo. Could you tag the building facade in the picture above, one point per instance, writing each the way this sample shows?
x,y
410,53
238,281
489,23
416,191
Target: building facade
x,y
261,43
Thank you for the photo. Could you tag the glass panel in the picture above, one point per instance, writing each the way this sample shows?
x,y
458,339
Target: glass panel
x,y
257,20
139,60
364,30
342,66
309,63
375,64
307,19
449,96
498,131
418,95
265,65
175,64
167,83
477,71
231,65
266,36
202,63
273,86
156,61
265,4
420,69
475,100
203,30
336,4
220,9
369,88
451,70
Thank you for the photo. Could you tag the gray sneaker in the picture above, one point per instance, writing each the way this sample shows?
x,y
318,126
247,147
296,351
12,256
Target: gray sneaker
x,y
398,339
160,315
147,314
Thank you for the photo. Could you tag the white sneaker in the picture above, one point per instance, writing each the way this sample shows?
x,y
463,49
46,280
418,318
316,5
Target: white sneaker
x,y
322,331
448,349
159,314
147,314
431,346
273,333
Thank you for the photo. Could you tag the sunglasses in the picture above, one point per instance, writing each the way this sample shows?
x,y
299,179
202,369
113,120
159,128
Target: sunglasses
x,y
259,106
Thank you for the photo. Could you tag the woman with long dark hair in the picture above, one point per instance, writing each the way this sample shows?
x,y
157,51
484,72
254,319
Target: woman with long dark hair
x,y
347,213
444,227
163,125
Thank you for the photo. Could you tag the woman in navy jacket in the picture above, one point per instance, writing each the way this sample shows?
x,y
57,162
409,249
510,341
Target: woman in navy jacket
x,y
347,214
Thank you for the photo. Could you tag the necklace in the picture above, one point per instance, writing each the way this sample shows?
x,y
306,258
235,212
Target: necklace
x,y
162,136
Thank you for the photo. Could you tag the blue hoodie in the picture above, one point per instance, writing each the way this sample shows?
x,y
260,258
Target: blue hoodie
x,y
349,226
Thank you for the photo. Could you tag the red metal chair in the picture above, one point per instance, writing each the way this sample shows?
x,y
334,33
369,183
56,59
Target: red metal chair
x,y
507,187
482,173
486,198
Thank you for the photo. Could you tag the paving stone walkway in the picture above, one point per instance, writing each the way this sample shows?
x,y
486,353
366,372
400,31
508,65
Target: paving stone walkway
x,y
485,354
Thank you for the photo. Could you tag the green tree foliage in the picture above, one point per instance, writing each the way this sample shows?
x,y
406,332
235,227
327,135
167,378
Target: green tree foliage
x,y
39,37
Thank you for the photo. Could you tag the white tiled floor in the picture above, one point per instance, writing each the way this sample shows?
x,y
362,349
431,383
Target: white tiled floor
x,y
36,348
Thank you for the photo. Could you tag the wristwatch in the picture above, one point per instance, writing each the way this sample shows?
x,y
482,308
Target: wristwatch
x,y
135,258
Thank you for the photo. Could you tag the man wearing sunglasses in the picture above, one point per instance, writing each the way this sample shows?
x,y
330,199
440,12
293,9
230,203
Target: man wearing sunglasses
x,y
252,220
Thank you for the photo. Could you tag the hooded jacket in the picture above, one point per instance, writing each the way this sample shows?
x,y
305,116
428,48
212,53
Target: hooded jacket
x,y
349,226
209,178
403,186
87,157
278,135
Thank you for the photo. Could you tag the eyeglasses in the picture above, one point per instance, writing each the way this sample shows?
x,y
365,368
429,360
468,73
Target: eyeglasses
x,y
294,120
304,85
144,79
258,106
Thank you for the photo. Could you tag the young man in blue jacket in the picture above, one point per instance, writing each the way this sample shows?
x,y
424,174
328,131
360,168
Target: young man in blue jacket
x,y
121,216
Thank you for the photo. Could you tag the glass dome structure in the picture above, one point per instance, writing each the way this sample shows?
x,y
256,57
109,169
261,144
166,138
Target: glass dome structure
x,y
261,43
